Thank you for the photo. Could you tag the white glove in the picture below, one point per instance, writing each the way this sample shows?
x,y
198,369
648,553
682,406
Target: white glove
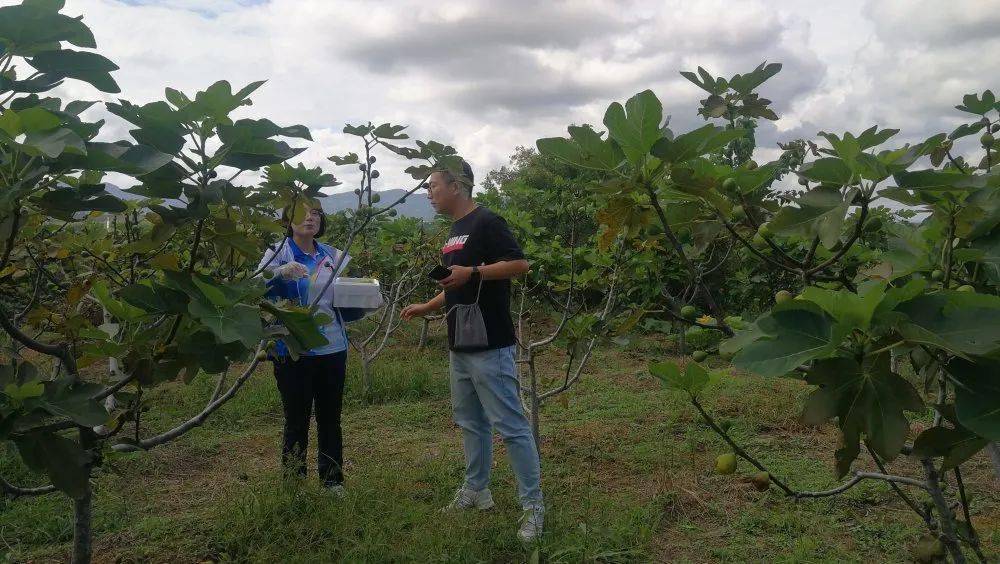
x,y
292,271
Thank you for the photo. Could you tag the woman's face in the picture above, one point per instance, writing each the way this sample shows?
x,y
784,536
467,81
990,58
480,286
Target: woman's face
x,y
309,226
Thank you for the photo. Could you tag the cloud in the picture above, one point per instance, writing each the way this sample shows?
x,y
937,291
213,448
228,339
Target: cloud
x,y
486,76
921,58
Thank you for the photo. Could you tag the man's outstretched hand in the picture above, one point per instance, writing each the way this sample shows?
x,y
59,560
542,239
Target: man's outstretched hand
x,y
414,310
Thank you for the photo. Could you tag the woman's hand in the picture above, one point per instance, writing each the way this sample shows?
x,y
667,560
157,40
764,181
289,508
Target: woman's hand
x,y
292,271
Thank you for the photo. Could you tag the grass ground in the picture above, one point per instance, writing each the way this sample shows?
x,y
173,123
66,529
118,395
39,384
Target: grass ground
x,y
626,472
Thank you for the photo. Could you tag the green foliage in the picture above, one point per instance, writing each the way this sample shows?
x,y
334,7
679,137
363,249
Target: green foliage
x,y
868,284
106,295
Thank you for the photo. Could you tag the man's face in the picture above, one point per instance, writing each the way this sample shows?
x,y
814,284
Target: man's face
x,y
442,193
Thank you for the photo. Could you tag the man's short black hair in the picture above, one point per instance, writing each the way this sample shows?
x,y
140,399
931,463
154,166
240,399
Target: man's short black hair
x,y
286,219
468,179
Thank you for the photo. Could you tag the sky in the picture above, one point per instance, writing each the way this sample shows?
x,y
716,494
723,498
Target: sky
x,y
487,76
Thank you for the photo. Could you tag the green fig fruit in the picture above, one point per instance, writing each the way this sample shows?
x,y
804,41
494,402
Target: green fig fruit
x,y
725,463
699,356
937,275
783,296
689,312
966,288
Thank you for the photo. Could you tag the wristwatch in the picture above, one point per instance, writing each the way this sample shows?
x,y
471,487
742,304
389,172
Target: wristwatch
x,y
475,271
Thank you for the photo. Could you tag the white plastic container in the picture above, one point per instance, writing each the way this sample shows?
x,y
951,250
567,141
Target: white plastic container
x,y
363,293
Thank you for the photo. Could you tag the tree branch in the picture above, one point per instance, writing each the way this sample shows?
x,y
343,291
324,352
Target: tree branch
x,y
857,479
14,492
197,420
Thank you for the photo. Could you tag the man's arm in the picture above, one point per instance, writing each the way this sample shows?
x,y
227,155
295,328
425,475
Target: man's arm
x,y
502,270
419,310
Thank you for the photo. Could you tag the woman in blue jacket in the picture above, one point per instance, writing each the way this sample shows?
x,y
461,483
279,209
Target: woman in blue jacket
x,y
301,266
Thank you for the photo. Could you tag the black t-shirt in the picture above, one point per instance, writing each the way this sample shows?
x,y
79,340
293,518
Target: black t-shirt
x,y
482,237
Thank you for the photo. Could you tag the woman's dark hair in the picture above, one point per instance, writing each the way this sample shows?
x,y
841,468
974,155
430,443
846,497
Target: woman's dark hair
x,y
287,220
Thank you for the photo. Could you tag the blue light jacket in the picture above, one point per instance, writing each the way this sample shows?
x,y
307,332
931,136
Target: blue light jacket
x,y
303,291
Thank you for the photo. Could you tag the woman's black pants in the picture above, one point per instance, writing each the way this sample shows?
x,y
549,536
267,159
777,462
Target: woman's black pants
x,y
303,382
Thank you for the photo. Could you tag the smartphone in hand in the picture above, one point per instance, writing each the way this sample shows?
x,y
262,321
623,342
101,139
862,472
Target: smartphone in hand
x,y
439,273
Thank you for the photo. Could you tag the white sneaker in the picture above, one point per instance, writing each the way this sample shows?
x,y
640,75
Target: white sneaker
x,y
468,499
532,521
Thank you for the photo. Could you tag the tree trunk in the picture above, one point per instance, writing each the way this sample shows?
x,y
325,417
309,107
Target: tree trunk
x,y
423,334
366,376
993,449
534,407
946,517
83,510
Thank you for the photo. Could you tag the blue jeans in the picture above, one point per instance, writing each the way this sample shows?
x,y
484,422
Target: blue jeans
x,y
484,396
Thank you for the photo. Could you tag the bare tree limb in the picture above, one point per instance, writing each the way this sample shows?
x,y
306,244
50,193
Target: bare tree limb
x,y
197,420
14,492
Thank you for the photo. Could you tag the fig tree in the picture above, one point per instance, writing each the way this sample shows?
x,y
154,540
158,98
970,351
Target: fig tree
x,y
928,549
725,463
920,358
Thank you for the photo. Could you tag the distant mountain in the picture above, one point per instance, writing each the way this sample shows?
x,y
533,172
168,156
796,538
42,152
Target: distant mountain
x,y
417,205
121,194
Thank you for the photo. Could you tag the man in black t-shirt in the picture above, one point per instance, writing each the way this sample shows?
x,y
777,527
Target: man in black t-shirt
x,y
483,256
